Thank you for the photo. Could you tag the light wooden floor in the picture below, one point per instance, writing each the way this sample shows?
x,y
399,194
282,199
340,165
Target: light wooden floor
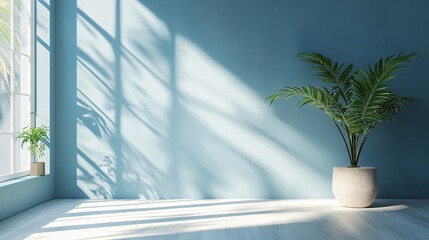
x,y
218,219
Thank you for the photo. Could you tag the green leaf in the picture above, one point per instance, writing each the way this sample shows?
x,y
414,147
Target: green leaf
x,y
333,73
371,94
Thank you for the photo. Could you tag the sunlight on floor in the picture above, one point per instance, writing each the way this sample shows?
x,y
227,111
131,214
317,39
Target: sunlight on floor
x,y
217,219
119,219
139,218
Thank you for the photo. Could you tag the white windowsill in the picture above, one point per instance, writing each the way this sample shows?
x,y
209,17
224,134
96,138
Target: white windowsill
x,y
17,180
11,176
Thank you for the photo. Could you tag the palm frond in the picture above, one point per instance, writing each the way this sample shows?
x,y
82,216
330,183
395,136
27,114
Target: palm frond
x,y
393,106
5,14
320,98
371,93
5,22
334,73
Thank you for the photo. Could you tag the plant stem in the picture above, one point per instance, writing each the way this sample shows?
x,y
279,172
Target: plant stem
x,y
353,149
361,146
344,139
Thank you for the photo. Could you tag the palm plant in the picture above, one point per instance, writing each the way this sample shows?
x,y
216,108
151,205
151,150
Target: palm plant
x,y
357,100
5,15
5,36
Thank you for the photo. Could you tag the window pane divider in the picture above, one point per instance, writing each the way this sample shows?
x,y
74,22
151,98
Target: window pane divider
x,y
10,50
12,83
15,93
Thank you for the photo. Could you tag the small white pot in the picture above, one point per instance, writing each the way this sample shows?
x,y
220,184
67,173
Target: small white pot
x,y
354,187
37,169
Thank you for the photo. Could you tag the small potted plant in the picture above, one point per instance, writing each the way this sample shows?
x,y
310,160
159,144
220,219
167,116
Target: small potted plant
x,y
35,137
356,101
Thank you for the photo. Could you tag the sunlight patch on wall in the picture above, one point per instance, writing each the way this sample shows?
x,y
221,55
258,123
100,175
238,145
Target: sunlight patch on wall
x,y
95,109
123,100
160,118
146,66
258,151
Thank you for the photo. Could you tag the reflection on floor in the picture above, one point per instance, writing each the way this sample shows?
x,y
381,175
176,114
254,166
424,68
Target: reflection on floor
x,y
218,219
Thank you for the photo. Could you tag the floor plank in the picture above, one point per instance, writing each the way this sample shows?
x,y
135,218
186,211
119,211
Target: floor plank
x,y
218,219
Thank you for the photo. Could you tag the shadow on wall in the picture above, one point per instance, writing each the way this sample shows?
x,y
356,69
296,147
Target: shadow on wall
x,y
157,117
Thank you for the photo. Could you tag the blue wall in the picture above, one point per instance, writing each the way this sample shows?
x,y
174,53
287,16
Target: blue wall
x,y
164,99
21,194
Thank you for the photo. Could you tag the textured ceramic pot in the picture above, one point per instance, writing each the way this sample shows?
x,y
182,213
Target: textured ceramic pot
x,y
354,187
37,169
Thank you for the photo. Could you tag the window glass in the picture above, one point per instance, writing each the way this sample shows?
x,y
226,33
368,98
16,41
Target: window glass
x,y
5,154
16,93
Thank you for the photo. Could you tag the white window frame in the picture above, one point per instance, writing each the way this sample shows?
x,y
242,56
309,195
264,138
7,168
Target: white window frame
x,y
32,94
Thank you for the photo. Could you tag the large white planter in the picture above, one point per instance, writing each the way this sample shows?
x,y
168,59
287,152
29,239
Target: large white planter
x,y
354,186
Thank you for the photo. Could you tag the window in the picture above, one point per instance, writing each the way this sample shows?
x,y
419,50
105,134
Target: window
x,y
16,84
